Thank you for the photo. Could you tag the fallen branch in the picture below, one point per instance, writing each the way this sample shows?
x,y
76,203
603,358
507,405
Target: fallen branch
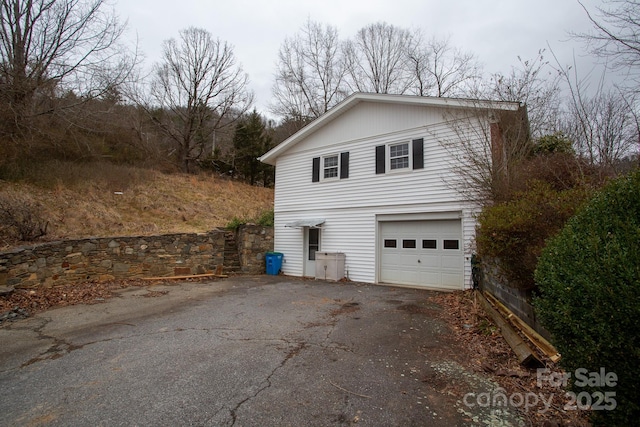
x,y
347,391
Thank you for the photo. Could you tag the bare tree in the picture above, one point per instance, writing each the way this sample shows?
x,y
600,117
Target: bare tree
x,y
49,47
604,128
195,90
375,59
310,73
604,125
439,69
488,144
535,84
616,33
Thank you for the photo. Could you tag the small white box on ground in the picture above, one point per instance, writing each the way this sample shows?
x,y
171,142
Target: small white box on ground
x,y
330,265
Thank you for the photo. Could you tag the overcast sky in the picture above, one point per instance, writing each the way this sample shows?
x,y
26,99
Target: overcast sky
x,y
496,31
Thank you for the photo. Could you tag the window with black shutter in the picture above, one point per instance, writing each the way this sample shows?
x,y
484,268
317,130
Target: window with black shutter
x,y
400,156
332,166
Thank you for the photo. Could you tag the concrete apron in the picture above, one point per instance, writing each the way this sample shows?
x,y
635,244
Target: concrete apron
x,y
249,350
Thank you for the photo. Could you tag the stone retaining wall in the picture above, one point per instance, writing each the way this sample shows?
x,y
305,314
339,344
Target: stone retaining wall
x,y
109,258
253,242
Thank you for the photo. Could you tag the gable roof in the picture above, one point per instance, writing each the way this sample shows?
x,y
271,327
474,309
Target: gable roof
x,y
358,97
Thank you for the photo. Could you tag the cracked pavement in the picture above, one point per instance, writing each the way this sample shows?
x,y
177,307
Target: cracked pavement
x,y
244,351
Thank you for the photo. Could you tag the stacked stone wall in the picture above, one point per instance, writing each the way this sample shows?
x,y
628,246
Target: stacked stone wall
x,y
110,258
254,241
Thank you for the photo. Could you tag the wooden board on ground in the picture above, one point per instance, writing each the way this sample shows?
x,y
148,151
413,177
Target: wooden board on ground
x,y
538,340
190,276
525,355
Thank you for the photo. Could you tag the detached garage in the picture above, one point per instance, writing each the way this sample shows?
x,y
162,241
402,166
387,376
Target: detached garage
x,y
377,179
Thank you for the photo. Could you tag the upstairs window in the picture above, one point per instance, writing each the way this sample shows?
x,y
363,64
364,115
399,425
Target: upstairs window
x,y
399,156
330,167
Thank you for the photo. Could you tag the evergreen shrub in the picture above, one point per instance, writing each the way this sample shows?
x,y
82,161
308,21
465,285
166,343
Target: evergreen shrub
x,y
588,279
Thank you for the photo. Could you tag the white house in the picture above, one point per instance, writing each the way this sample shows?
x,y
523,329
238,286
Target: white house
x,y
375,178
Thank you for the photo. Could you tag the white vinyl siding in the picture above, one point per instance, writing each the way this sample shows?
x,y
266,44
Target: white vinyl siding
x,y
353,232
351,206
433,183
370,119
349,232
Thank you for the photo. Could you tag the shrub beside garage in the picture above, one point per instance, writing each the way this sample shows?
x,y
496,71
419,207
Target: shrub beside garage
x,y
588,279
514,232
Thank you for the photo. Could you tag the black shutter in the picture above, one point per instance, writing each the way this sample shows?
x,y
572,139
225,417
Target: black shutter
x,y
418,153
315,177
344,165
380,161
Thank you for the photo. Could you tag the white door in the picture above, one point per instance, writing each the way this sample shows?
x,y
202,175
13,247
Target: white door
x,y
311,246
422,253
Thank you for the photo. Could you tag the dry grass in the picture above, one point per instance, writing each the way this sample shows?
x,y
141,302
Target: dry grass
x,y
105,200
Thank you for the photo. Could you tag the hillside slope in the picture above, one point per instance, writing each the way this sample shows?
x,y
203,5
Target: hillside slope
x,y
99,200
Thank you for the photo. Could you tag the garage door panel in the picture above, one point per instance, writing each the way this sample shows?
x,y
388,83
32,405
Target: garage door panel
x,y
430,277
426,253
451,280
409,260
452,261
399,261
430,261
399,275
391,259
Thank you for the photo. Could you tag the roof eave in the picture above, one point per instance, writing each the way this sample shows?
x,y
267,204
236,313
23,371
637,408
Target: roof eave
x,y
271,156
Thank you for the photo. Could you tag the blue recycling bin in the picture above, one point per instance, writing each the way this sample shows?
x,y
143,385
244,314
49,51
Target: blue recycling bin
x,y
274,262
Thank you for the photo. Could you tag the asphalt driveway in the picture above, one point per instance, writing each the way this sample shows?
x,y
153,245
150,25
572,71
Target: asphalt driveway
x,y
243,351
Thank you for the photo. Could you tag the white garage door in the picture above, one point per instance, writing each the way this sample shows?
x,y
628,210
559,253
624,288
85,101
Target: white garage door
x,y
422,253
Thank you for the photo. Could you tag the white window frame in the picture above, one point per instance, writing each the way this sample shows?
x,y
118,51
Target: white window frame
x,y
409,157
323,168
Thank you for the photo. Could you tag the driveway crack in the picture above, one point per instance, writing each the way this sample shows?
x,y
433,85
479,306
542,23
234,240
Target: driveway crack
x,y
266,383
57,349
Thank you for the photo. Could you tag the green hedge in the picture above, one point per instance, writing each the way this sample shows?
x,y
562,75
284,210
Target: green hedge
x,y
589,283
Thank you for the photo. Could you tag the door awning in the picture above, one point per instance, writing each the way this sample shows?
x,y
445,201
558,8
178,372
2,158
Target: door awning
x,y
311,223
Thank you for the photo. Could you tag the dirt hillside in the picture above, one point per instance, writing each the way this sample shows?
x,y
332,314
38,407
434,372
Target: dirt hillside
x,y
98,200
